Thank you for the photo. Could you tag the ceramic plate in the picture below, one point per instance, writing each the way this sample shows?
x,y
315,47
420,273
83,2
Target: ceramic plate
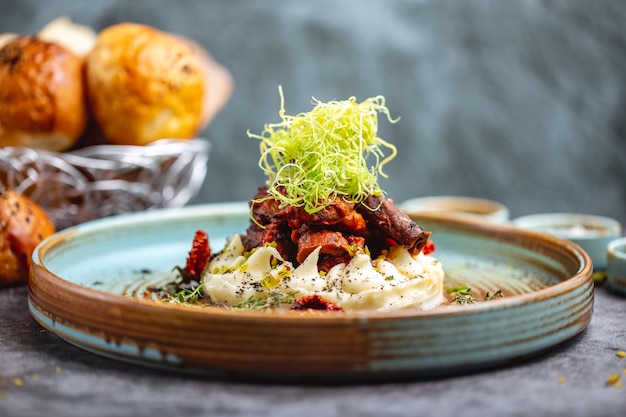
x,y
86,285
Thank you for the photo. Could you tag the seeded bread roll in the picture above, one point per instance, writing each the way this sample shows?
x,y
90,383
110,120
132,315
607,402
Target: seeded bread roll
x,y
42,97
23,224
145,84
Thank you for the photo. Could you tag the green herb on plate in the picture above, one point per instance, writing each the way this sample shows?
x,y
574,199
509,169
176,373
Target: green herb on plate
x,y
275,299
191,295
462,294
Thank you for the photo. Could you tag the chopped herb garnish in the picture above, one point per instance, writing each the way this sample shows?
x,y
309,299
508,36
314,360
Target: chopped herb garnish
x,y
190,295
273,300
462,294
497,294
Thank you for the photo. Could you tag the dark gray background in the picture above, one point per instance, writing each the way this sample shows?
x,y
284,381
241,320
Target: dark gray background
x,y
523,102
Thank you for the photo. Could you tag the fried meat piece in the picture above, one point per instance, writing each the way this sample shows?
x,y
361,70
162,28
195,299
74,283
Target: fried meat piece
x,y
339,229
382,214
267,210
275,233
330,215
334,247
331,243
342,214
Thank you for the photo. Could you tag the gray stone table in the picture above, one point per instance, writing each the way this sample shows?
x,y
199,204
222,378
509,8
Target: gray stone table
x,y
42,375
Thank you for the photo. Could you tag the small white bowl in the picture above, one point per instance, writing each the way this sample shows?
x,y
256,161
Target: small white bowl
x,y
616,265
592,233
470,207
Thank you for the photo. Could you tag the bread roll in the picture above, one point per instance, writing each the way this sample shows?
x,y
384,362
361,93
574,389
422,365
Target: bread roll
x,y
42,97
145,84
23,224
7,37
79,39
218,80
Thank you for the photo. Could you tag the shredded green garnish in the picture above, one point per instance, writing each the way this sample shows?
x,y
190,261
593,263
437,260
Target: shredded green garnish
x,y
318,156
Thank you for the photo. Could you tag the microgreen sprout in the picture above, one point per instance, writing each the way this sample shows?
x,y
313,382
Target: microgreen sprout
x,y
191,295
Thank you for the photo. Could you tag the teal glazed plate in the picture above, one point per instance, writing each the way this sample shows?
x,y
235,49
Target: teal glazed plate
x,y
88,285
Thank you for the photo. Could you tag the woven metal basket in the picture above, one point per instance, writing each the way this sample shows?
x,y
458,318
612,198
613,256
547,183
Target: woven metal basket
x,y
104,180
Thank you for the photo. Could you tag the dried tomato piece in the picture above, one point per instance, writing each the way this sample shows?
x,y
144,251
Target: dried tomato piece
x,y
429,247
314,302
198,256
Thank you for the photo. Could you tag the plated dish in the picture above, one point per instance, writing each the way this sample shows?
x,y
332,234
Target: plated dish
x,y
88,285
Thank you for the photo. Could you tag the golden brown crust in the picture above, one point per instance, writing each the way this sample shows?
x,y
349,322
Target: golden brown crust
x,y
144,84
23,225
42,98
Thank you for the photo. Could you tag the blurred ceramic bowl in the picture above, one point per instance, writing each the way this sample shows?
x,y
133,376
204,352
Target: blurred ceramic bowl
x,y
616,265
592,233
104,180
468,207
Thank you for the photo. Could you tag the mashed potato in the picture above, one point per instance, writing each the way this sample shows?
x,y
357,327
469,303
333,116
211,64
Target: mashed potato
x,y
397,281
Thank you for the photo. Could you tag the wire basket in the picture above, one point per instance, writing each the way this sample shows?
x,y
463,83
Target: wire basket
x,y
104,180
